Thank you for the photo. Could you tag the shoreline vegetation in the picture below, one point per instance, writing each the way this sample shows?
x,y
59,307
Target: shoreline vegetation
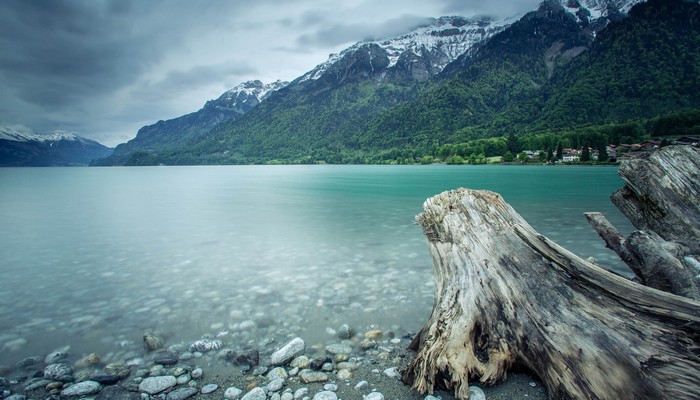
x,y
583,145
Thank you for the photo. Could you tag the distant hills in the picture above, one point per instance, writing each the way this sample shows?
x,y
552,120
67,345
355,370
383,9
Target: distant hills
x,y
21,147
565,65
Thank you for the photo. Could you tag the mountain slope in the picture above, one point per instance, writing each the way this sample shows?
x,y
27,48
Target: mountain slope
x,y
646,65
190,128
20,147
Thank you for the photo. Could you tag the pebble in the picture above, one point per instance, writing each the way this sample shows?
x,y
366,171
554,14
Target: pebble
x,y
88,361
28,362
274,385
344,374
36,385
249,357
16,397
345,332
152,341
196,373
287,396
165,358
105,379
301,362
325,395
157,384
182,393
277,372
233,393
338,348
288,352
361,385
308,376
374,334
374,396
182,379
209,388
330,387
475,393
55,357
81,389
59,372
392,372
300,393
116,393
204,345
256,394
430,397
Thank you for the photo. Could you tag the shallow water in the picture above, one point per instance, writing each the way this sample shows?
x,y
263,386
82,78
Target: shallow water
x,y
92,258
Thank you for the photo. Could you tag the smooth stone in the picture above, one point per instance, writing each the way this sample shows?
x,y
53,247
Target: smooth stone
x,y
181,393
368,344
81,389
184,378
392,372
116,393
287,352
105,379
300,393
361,385
274,385
257,393
430,397
345,332
209,388
165,358
204,345
152,341
277,372
325,395
55,357
331,387
347,365
308,376
374,396
186,355
40,384
28,362
16,397
88,361
344,374
196,373
58,372
338,348
233,393
226,354
247,357
157,384
475,393
121,370
301,362
374,334
287,396
317,363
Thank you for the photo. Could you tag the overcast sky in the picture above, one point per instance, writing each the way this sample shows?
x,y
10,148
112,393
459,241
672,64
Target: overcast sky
x,y
103,68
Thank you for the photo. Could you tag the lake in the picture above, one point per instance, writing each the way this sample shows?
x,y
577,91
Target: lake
x,y
92,258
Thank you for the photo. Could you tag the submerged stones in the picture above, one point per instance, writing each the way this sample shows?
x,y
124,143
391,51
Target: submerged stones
x,y
58,372
81,389
157,384
152,341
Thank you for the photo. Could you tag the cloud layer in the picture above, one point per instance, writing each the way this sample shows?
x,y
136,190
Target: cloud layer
x,y
104,68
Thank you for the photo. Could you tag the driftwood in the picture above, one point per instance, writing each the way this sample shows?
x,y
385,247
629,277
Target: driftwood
x,y
507,296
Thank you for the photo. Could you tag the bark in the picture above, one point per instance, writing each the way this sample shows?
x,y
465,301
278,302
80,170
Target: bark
x,y
506,295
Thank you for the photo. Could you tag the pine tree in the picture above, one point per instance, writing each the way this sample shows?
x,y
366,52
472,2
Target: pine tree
x,y
560,151
602,153
585,154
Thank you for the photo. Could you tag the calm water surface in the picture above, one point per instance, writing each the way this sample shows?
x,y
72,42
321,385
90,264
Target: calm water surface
x,y
93,257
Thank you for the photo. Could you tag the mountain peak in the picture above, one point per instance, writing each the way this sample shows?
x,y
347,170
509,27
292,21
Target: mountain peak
x,y
20,133
441,41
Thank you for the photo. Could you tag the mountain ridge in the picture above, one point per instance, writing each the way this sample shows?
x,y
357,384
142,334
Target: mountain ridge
x,y
22,147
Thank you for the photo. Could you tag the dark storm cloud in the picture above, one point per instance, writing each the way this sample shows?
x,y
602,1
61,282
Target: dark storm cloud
x,y
103,68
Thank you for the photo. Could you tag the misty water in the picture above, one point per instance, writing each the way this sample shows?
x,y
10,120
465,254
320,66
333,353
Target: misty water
x,y
92,258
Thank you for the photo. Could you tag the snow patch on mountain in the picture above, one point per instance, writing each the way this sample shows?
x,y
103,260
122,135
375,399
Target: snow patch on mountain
x,y
19,133
598,8
451,36
254,88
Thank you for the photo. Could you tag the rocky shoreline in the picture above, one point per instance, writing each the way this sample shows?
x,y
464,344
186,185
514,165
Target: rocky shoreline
x,y
352,366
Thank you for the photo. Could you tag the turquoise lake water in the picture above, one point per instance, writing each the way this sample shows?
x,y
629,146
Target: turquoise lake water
x,y
93,257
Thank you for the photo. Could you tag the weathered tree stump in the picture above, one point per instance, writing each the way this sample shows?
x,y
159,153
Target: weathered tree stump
x,y
506,295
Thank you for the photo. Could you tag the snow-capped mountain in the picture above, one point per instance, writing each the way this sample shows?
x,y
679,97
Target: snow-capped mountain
x,y
596,14
418,55
245,96
20,146
190,128
20,133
